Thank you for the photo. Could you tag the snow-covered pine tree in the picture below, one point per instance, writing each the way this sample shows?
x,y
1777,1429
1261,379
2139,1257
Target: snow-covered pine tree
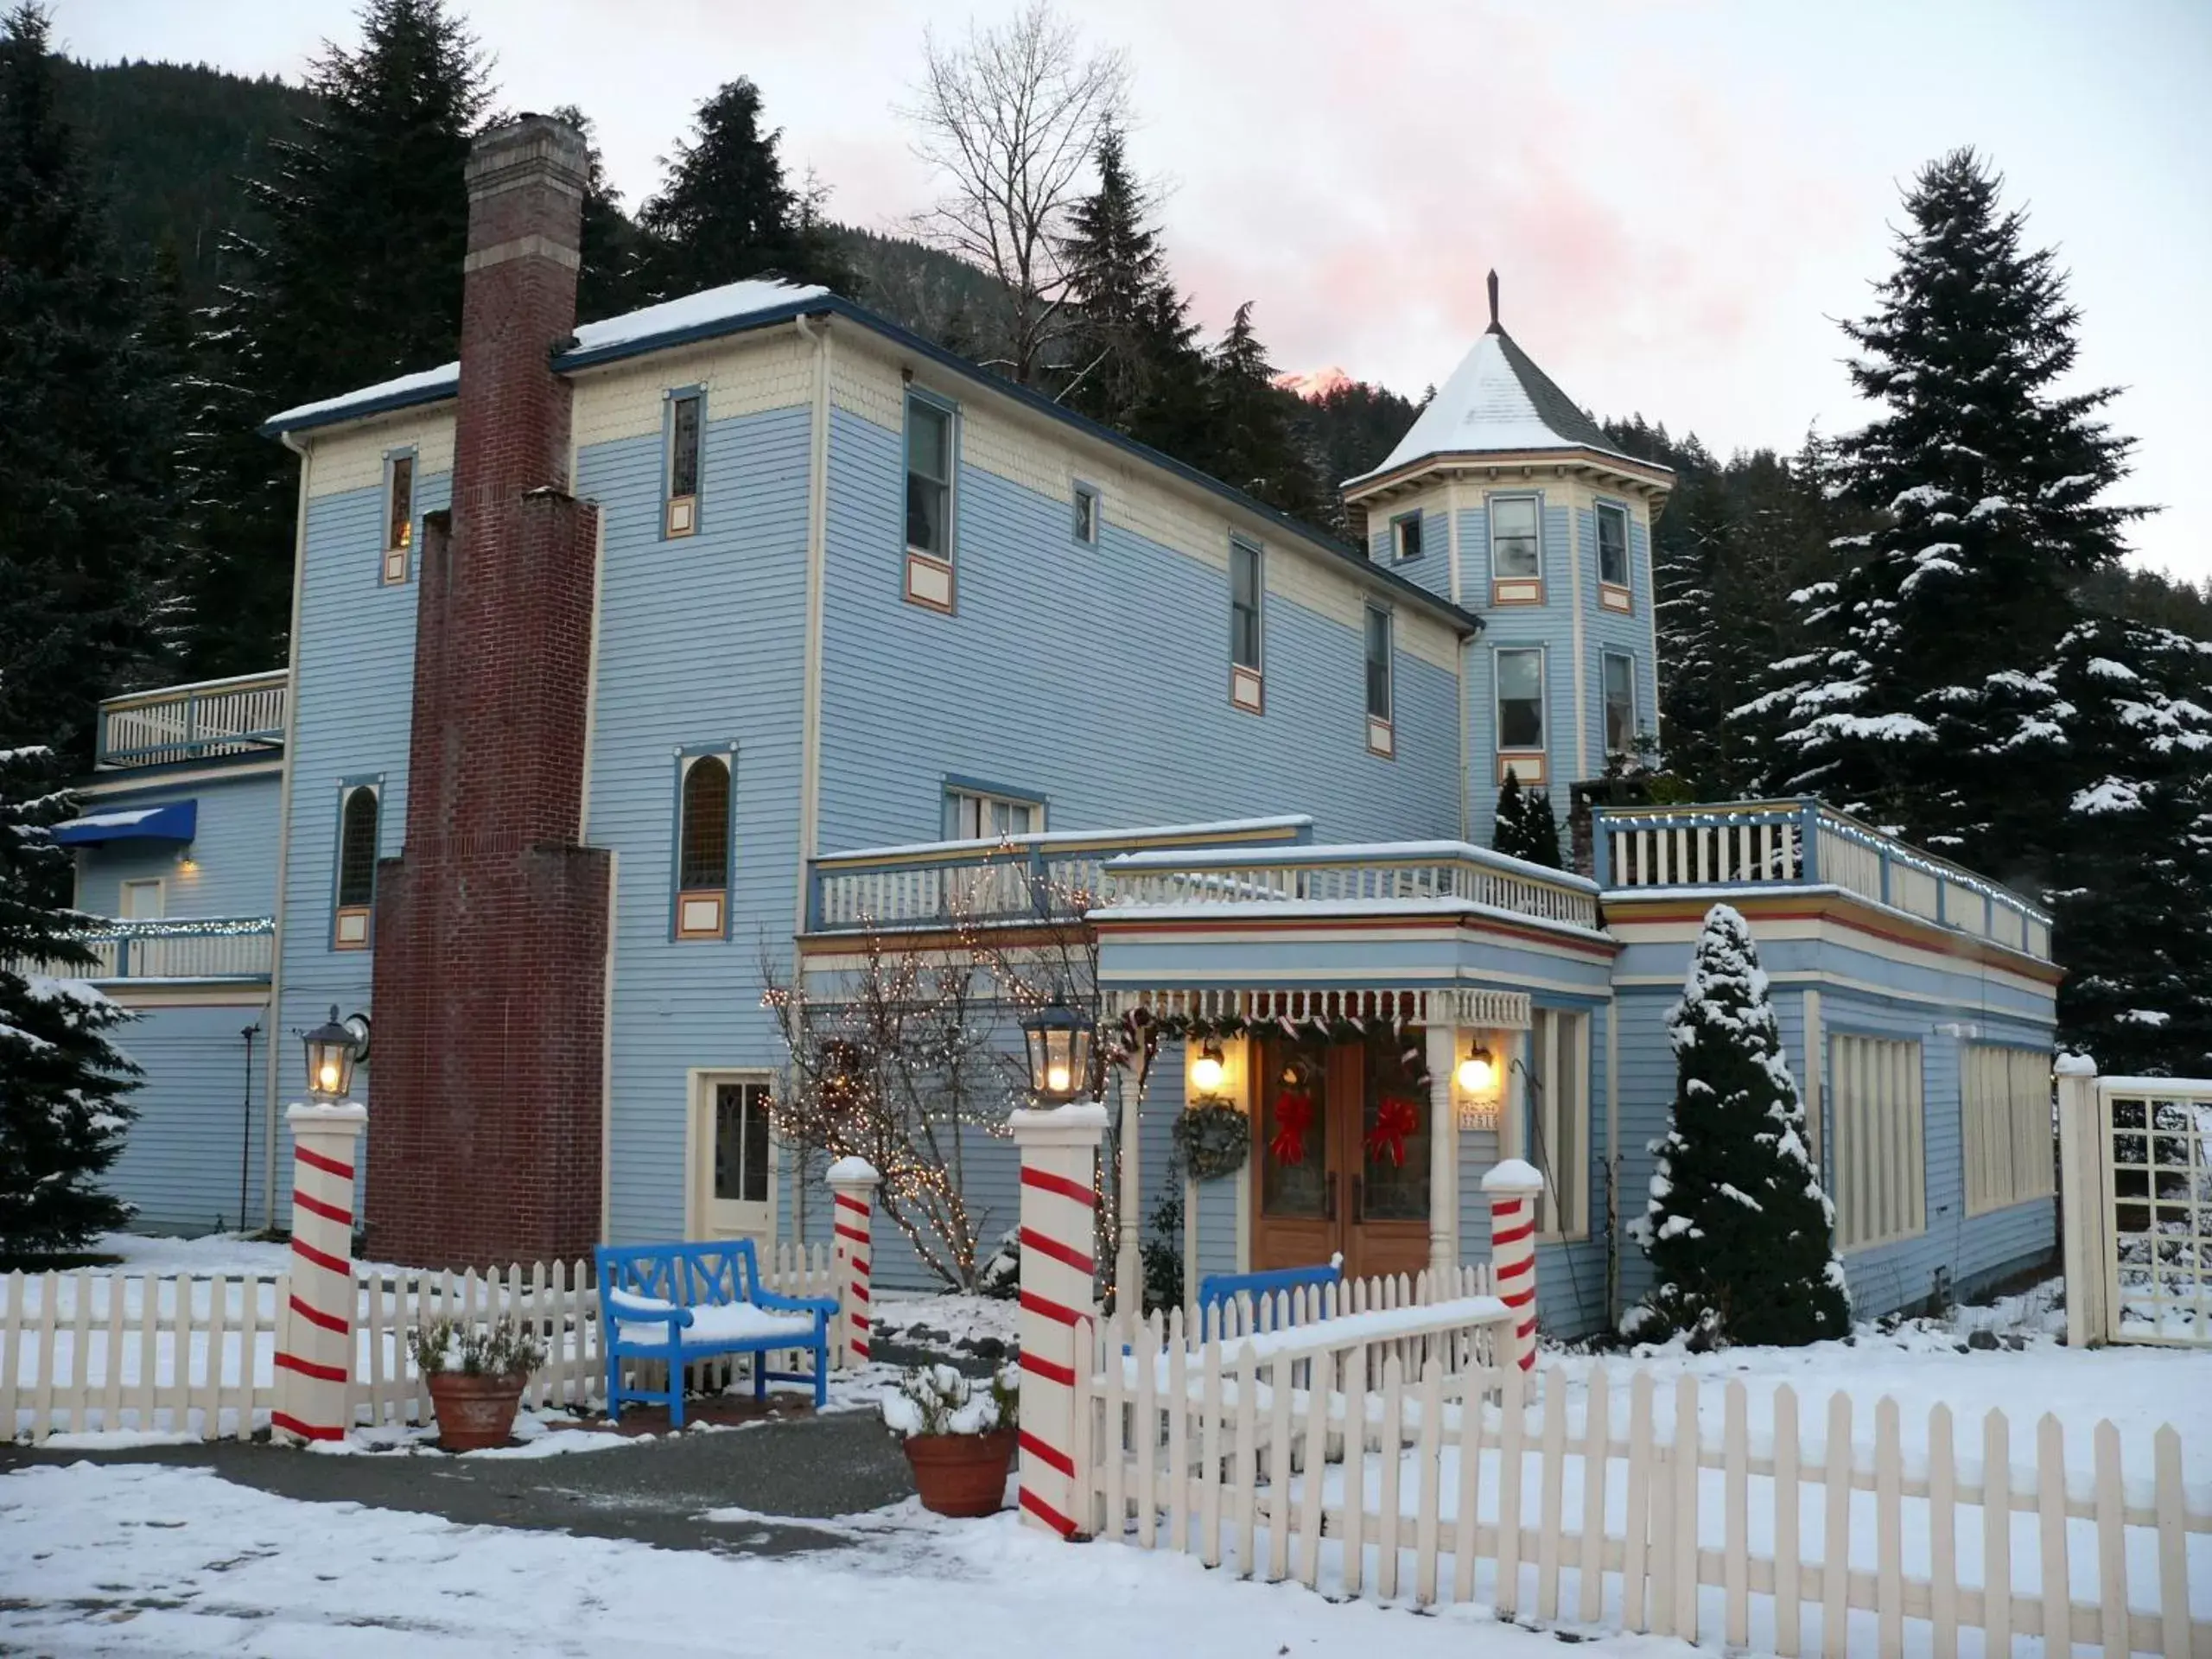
x,y
64,1089
1985,479
726,211
1526,827
1257,444
1740,1235
84,508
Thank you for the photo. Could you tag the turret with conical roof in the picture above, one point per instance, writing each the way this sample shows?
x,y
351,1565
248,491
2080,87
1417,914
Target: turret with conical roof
x,y
1506,497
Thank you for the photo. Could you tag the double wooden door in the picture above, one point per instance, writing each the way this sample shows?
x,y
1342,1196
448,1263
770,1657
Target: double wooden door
x,y
1342,1165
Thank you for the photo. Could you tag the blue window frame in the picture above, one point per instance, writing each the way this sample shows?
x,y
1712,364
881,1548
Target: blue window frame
x,y
398,516
976,810
683,431
1085,527
354,862
705,846
929,451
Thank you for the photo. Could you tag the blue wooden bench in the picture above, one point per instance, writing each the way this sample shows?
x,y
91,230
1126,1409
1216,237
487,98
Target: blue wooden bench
x,y
1222,1290
682,1303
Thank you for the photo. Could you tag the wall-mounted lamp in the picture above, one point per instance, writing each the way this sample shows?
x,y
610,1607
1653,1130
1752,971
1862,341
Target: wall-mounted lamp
x,y
1208,1070
1478,1073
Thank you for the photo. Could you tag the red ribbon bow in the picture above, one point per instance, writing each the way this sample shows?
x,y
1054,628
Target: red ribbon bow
x,y
1294,1117
1395,1117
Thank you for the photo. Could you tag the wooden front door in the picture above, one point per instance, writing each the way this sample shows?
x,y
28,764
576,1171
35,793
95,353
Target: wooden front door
x,y
1342,1161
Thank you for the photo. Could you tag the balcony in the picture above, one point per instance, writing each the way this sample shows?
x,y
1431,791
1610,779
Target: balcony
x,y
202,722
1804,843
230,948
938,884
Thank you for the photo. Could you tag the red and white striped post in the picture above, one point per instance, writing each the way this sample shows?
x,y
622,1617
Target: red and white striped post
x,y
1512,1188
851,1182
1059,1158
314,1356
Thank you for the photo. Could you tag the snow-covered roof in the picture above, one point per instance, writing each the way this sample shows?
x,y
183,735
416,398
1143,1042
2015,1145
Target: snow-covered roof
x,y
694,316
1498,401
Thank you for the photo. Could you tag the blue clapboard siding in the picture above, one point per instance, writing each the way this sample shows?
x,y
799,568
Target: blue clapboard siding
x,y
234,852
1095,677
1432,569
701,643
199,1112
352,700
1607,631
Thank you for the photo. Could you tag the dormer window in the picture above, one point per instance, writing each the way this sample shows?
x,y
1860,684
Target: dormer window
x,y
1613,555
1404,536
686,411
399,516
1516,566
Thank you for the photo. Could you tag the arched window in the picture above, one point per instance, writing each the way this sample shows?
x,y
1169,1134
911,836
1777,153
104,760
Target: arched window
x,y
702,848
357,866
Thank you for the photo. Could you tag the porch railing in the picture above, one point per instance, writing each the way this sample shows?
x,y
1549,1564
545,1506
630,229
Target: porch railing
x,y
194,722
221,947
938,884
1354,875
1805,843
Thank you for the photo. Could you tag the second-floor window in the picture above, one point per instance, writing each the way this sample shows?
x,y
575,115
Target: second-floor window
x,y
1620,702
1378,662
1521,699
1514,549
686,413
1613,544
1246,583
702,845
357,866
973,814
929,478
1086,515
398,516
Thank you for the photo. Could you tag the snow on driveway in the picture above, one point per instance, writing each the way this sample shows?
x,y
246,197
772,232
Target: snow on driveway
x,y
139,1559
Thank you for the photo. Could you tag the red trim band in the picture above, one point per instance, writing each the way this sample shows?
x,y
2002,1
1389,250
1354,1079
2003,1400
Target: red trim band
x,y
1504,1209
322,1259
1514,1235
858,1288
857,1321
327,1166
1045,1244
1045,1181
845,1201
291,1425
855,1234
1045,1512
309,1368
1050,1455
1520,1298
857,1346
1528,1360
1527,1327
1515,1269
1032,1303
315,1315
327,1211
1063,1375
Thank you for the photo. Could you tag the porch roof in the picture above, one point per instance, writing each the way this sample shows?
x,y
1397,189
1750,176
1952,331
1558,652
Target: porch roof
x,y
1455,1005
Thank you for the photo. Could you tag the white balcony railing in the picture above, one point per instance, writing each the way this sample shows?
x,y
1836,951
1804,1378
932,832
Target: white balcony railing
x,y
195,723
222,947
1806,843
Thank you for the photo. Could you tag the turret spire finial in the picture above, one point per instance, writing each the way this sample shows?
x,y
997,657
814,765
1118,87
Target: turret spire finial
x,y
1494,328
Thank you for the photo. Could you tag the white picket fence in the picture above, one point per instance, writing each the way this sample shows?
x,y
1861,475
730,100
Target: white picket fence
x,y
99,1352
1575,1501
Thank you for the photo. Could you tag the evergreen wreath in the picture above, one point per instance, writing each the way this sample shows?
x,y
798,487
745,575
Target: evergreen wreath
x,y
1213,1138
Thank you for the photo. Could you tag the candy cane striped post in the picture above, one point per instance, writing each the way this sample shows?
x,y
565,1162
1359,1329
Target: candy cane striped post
x,y
1512,1188
315,1354
1059,1157
851,1182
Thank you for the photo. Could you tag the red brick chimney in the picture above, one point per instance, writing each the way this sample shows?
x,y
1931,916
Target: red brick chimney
x,y
485,1080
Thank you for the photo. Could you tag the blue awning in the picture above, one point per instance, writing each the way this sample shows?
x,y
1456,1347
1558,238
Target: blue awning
x,y
174,821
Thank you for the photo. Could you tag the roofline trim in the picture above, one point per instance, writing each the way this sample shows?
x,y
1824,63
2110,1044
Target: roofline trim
x,y
1579,453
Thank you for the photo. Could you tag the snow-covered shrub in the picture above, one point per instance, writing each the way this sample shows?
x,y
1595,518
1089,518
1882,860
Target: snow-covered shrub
x,y
1737,1229
502,1348
1000,1278
938,1400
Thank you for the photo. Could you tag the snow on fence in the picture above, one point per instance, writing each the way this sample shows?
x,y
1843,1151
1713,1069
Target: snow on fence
x,y
93,1351
1467,1481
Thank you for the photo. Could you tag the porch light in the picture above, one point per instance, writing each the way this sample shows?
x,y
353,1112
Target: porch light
x,y
332,1049
1478,1073
1058,1039
1207,1071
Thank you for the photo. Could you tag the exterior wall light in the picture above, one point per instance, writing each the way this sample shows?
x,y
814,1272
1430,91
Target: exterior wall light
x,y
1478,1073
1207,1071
332,1049
1058,1039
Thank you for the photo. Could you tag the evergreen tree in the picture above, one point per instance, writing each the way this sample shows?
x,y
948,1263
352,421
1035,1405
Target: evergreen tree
x,y
64,1089
726,211
1526,827
355,281
83,512
612,279
1984,479
1739,1233
1255,444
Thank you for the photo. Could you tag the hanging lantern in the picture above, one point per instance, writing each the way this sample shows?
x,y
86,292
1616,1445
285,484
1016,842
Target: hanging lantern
x,y
332,1049
1207,1071
1058,1039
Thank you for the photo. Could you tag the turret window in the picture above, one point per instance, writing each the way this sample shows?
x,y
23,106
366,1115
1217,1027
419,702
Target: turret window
x,y
1404,536
1516,563
1620,702
1613,555
1520,673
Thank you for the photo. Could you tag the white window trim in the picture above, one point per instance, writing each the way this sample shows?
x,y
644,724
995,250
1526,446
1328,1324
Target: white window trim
x,y
699,1145
1398,522
1536,503
1497,702
955,792
139,883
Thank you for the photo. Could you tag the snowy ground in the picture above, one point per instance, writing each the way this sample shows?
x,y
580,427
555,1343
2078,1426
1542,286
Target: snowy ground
x,y
955,1319
143,1560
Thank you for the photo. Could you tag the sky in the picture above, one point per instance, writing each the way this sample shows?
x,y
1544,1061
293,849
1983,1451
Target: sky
x,y
1679,196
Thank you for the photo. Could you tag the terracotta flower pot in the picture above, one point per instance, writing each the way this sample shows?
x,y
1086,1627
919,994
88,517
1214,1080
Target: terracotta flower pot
x,y
474,1412
961,1474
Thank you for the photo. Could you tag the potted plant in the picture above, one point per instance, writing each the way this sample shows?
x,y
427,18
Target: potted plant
x,y
475,1374
959,1436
